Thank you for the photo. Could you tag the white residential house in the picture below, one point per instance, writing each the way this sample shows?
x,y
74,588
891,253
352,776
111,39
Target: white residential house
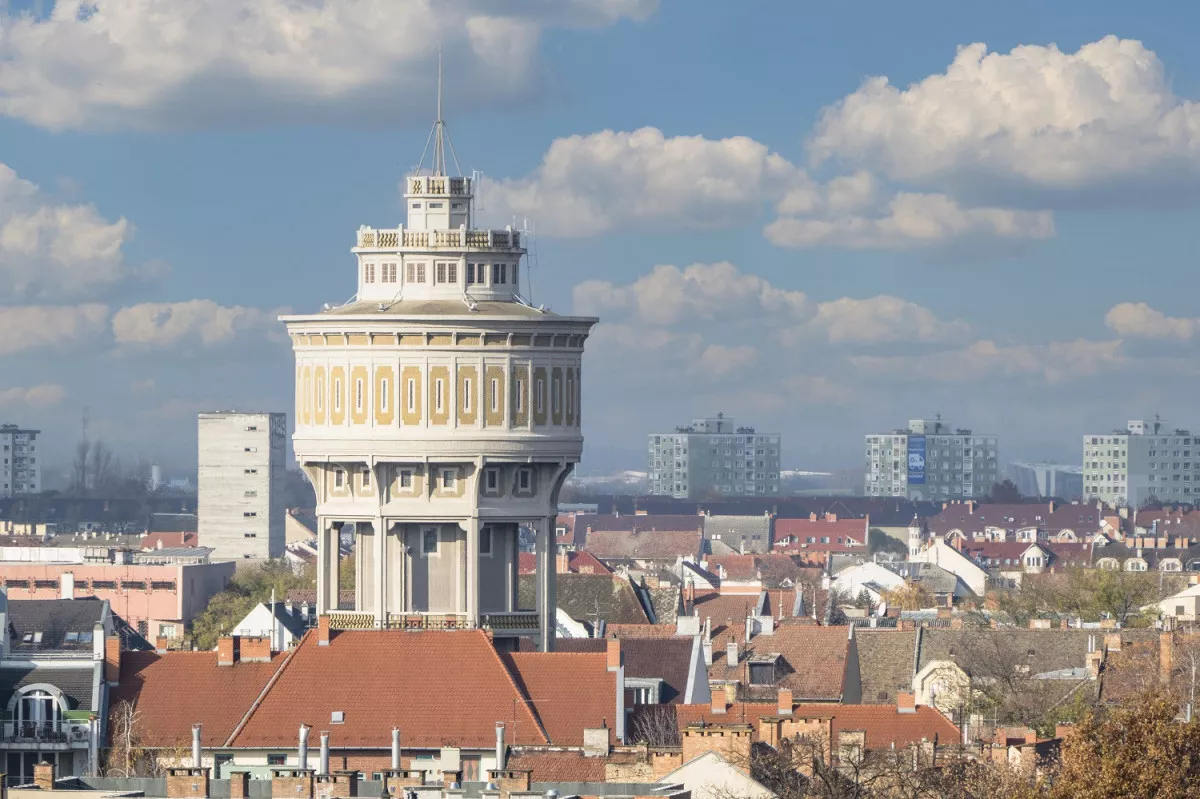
x,y
869,576
282,622
942,554
710,776
1184,606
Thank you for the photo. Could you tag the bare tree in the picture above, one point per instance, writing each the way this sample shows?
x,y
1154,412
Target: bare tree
x,y
656,725
126,750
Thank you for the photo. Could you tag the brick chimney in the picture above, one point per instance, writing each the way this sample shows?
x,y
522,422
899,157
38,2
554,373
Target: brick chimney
x,y
323,631
564,562
228,647
906,703
255,649
160,644
784,705
1166,656
614,654
43,776
718,701
112,659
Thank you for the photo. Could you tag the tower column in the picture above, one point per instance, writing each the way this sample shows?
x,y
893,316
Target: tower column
x,y
380,571
328,540
547,583
472,571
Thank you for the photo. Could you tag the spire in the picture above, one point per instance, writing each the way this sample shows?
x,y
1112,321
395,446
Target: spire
x,y
440,135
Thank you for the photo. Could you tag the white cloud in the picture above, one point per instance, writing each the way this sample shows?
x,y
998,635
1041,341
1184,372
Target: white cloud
x,y
668,295
984,360
39,396
909,220
720,360
49,249
172,325
151,64
1139,320
882,319
590,184
1036,116
32,327
720,292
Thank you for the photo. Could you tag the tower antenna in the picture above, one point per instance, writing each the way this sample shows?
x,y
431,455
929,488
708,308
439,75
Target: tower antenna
x,y
439,135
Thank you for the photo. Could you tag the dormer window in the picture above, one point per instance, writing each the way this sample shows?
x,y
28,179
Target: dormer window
x,y
499,273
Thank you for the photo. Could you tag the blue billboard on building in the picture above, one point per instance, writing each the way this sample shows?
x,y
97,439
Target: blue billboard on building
x,y
916,460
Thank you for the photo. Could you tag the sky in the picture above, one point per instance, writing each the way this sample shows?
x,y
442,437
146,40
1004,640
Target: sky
x,y
820,219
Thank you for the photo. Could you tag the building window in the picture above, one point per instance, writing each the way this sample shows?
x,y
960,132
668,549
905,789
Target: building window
x,y
249,471
524,479
406,478
439,395
513,275
471,274
416,273
412,396
250,493
491,479
389,273
485,541
541,393
358,395
249,514
384,395
366,478
466,400
249,535
337,395
320,395
499,272
429,541
250,449
449,478
369,273
276,760
495,396
339,478
519,387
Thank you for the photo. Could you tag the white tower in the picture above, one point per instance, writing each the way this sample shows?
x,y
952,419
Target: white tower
x,y
437,414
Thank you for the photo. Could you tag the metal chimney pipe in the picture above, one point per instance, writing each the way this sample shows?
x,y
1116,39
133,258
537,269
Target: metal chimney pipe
x,y
395,749
302,760
325,754
196,759
500,749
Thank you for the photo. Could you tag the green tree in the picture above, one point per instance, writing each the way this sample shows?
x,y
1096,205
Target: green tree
x,y
346,574
249,587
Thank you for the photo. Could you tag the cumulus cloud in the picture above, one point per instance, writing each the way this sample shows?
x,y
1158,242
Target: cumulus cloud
x,y
149,64
704,293
32,327
590,184
202,323
910,220
1037,117
1139,320
985,359
39,396
56,249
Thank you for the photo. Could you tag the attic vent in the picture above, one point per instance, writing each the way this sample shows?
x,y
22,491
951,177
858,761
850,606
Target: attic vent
x,y
337,717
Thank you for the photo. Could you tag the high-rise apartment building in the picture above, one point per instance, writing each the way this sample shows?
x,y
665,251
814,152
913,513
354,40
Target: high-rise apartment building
x,y
438,413
240,505
21,471
712,458
930,460
1046,480
1147,460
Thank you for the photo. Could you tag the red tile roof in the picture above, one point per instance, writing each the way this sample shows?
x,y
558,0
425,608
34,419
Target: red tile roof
x,y
971,518
570,692
173,691
724,608
440,688
577,563
647,545
639,630
884,725
644,522
559,766
815,657
851,531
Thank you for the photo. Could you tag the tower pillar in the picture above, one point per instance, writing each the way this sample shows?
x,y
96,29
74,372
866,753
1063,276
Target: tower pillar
x,y
547,583
471,588
381,569
328,563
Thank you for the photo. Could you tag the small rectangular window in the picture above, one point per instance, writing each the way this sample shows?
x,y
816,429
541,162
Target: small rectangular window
x,y
383,395
249,471
466,400
369,273
250,449
448,479
541,393
440,273
366,478
439,395
337,395
358,395
406,478
498,273
491,479
519,387
339,478
485,541
412,395
451,273
429,541
249,514
470,274
250,493
524,478
276,760
495,396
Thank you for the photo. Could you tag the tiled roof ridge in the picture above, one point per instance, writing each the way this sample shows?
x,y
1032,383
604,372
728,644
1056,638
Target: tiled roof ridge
x,y
517,689
258,700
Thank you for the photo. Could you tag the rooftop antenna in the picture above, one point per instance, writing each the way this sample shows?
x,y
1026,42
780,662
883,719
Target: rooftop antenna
x,y
439,135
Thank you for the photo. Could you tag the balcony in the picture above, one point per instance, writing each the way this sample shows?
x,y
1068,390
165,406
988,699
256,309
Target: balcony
x,y
523,621
68,733
457,239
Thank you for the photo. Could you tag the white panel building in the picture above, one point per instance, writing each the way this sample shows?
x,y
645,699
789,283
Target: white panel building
x,y
712,458
240,503
1147,460
21,471
930,460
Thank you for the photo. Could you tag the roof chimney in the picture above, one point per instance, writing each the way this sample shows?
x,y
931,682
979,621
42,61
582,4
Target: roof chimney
x,y
228,647
785,702
396,747
302,759
731,654
614,654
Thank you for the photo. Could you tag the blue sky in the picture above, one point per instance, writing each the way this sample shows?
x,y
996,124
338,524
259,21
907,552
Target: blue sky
x,y
762,230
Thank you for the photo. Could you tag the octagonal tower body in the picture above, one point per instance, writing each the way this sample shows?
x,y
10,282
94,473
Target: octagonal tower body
x,y
437,414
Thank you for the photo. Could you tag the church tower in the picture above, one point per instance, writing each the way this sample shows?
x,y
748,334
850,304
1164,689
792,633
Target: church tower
x,y
438,413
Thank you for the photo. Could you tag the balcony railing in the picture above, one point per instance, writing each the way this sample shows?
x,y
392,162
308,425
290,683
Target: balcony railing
x,y
358,620
458,239
46,731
